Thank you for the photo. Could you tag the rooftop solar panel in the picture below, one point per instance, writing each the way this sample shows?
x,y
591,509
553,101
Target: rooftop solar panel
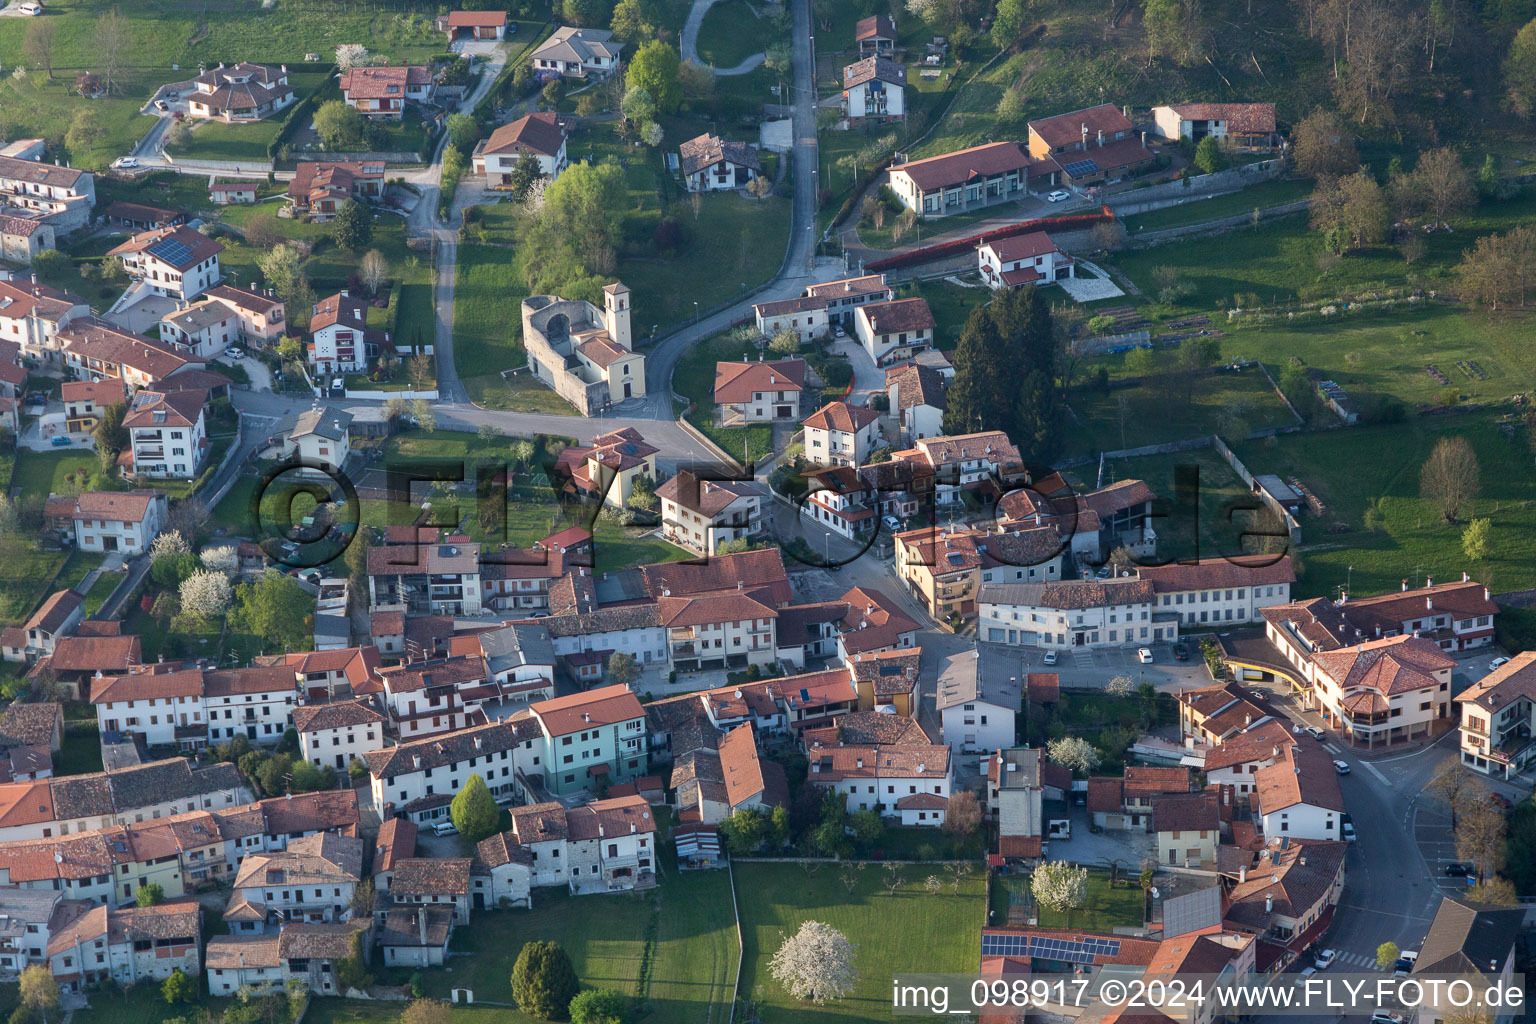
x,y
1077,167
171,251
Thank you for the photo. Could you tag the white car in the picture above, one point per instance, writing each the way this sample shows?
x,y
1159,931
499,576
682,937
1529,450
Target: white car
x,y
1349,833
1144,655
1383,1017
891,523
1323,958
1050,657
236,353
1493,666
1058,196
1342,767
1306,972
444,828
125,162
338,383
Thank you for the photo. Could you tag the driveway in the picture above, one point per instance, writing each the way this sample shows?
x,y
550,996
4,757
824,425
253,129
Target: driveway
x,y
1092,668
144,314
1128,846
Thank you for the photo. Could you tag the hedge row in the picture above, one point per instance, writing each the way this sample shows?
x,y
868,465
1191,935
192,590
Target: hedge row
x,y
392,311
865,181
300,113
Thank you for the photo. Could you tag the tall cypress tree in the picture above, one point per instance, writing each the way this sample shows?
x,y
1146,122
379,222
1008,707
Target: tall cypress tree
x,y
967,395
1037,405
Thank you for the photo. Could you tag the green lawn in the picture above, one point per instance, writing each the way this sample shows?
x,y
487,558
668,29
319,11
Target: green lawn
x,y
1260,196
487,324
215,140
730,34
694,378
912,931
81,750
1106,908
1159,411
950,304
303,230
100,591
76,568
143,1004
693,967
1349,468
45,473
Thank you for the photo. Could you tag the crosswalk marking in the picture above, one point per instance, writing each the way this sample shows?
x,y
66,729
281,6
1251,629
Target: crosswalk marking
x,y
1359,960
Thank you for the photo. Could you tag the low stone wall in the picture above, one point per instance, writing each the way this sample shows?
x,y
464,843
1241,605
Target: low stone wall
x,y
1221,226
1156,197
198,166
384,396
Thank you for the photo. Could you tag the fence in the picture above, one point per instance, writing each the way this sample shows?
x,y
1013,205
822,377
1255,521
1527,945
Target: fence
x,y
741,949
1291,525
384,396
199,166
1106,342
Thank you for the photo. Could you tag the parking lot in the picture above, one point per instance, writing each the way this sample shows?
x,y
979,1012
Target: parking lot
x,y
1091,668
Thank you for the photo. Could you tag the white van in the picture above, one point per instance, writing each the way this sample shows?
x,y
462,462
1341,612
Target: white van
x,y
1059,828
444,828
31,8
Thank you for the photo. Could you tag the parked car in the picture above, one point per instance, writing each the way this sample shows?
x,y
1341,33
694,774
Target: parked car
x,y
162,105
444,828
1057,196
1323,958
1315,733
1495,663
891,523
1349,833
838,332
60,441
1181,651
125,162
1458,870
338,384
1050,657
237,353
1500,801
1059,828
1383,1017
1304,974
1144,655
1405,962
1342,767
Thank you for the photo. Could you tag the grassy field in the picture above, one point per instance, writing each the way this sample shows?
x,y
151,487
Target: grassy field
x,y
76,568
45,473
729,34
693,967
911,931
1159,411
81,750
215,140
694,378
1414,540
156,35
143,1004
330,268
487,326
1255,197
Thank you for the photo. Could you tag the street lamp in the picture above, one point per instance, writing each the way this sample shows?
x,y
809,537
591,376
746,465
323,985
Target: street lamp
x,y
695,310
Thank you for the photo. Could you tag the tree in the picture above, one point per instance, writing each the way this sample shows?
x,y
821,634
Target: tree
x,y
1497,890
1352,211
38,48
1481,836
1520,72
1120,686
225,559
178,988
1456,787
474,811
1059,886
962,814
1450,477
543,980
420,370
373,270
778,828
893,877
815,963
654,68
1210,156
352,969
110,434
1386,955
600,1005
622,670
743,831
1443,183
170,568
1499,268
275,609
39,990
1073,753
651,133
190,517
638,105
205,594
353,226
524,173
112,34
151,894
1474,539
339,126
1322,146
1008,23
933,885
463,131
628,23
868,828
351,55
422,413
364,895
394,408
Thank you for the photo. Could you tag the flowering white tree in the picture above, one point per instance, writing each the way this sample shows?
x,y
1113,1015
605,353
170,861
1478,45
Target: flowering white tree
x,y
1060,886
205,594
171,542
928,10
533,201
653,134
351,55
1073,752
1120,686
224,559
815,963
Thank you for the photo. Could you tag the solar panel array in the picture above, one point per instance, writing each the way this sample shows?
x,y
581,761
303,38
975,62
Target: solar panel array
x,y
1081,951
171,251
1078,167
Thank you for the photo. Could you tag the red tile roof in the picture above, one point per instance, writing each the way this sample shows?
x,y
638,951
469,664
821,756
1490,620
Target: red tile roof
x,y
736,382
538,133
954,168
1067,129
1241,118
373,83
841,416
575,712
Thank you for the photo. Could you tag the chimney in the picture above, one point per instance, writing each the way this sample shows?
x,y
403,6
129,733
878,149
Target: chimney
x,y
631,828
1429,604
1143,140
1405,584
858,762
1085,134
1486,596
1242,874
1101,138
1269,904
421,924
1429,581
415,760
1465,577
